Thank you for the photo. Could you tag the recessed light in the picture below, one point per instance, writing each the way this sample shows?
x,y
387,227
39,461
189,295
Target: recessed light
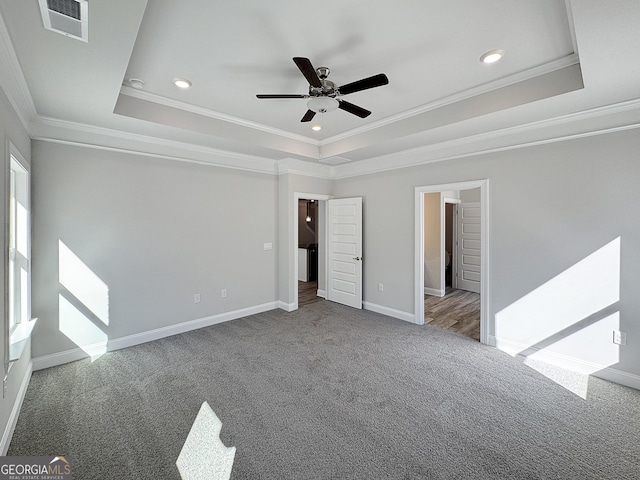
x,y
316,128
181,82
492,57
136,83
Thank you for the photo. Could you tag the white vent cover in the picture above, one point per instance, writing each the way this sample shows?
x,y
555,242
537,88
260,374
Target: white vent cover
x,y
68,17
334,160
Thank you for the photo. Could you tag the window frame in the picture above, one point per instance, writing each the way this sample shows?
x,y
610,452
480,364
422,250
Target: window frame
x,y
17,331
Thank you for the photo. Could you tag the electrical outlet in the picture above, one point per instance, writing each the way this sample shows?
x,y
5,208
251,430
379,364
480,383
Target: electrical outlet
x,y
196,298
380,287
619,338
223,293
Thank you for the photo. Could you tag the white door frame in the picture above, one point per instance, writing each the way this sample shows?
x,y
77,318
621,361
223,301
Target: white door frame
x,y
293,254
484,249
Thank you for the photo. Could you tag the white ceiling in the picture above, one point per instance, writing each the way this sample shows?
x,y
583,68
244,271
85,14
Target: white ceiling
x,y
438,89
232,53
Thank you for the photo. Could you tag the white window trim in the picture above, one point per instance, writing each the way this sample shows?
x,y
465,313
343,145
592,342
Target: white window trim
x,y
16,338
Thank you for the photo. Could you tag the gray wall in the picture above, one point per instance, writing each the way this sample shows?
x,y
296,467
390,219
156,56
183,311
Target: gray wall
x,y
432,248
11,130
472,195
550,207
155,232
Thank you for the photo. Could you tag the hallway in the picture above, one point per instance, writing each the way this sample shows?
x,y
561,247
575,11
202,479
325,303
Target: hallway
x,y
458,311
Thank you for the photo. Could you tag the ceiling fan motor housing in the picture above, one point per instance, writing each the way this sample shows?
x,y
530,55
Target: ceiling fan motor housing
x,y
328,89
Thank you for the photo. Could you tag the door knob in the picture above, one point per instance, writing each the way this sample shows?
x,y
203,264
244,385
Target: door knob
x,y
357,258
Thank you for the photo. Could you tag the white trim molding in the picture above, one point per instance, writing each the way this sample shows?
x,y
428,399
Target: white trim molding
x,y
12,79
434,292
306,168
287,307
569,363
618,376
72,355
70,133
518,77
206,112
589,119
15,411
595,121
389,312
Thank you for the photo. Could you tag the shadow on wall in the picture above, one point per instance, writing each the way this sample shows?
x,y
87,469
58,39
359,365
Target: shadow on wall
x,y
570,317
83,303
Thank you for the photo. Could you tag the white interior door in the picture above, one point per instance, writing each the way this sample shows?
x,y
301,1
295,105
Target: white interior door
x,y
468,273
344,283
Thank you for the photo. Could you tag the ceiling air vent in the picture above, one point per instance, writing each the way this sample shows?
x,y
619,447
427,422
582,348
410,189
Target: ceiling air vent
x,y
334,160
68,17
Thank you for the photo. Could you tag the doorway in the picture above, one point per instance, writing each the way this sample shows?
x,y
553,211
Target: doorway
x,y
308,213
307,292
450,243
431,265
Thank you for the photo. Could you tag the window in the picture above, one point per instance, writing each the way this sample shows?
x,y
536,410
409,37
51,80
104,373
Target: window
x,y
18,245
19,262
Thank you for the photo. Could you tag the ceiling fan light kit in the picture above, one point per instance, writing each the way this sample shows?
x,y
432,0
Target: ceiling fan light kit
x,y
323,104
325,95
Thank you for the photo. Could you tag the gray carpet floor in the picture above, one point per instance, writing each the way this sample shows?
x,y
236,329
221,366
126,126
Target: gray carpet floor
x,y
329,392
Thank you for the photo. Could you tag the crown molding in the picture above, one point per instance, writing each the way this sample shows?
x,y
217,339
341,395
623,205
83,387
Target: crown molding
x,y
71,133
64,132
301,167
591,122
12,80
572,25
595,121
470,93
458,97
205,112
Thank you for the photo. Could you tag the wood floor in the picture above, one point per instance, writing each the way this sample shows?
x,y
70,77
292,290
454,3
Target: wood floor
x,y
458,311
307,293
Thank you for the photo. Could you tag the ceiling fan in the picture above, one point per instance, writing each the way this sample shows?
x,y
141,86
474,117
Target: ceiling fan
x,y
325,95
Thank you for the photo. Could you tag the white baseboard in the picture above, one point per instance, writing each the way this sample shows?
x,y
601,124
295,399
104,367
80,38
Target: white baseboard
x,y
434,292
287,307
67,356
618,376
569,363
15,411
391,312
321,293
